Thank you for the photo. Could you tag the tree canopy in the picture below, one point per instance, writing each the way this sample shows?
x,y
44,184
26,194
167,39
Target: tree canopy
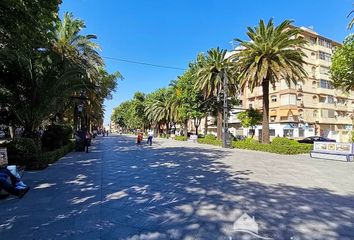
x,y
342,68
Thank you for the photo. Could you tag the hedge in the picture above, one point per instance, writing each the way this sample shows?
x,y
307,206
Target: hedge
x,y
42,160
279,145
181,138
274,148
214,142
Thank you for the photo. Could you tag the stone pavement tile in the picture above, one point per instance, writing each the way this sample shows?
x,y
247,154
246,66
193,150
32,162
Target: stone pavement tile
x,y
50,224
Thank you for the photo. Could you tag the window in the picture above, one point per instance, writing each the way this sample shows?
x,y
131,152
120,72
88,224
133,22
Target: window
x,y
250,105
301,132
331,113
288,99
330,99
325,43
326,84
315,113
272,132
324,56
312,40
324,70
327,113
288,132
273,98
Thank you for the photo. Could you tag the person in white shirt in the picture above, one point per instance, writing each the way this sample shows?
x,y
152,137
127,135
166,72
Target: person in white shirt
x,y
150,136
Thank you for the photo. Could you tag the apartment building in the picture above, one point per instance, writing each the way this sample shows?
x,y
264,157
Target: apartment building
x,y
313,106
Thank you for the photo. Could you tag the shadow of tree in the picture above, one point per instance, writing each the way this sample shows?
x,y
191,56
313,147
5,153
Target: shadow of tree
x,y
141,192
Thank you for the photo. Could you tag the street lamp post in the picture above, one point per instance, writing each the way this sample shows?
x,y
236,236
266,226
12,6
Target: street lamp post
x,y
225,134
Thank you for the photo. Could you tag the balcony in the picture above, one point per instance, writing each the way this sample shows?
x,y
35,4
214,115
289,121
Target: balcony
x,y
326,105
341,107
325,91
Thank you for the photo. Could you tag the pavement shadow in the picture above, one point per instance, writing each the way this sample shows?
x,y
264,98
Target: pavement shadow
x,y
182,192
123,191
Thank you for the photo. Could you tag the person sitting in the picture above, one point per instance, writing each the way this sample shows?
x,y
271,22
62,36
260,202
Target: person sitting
x,y
16,187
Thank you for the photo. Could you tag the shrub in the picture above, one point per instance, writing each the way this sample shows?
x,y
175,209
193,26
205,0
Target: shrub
x,y
42,160
210,137
288,149
56,136
21,151
214,142
181,138
284,141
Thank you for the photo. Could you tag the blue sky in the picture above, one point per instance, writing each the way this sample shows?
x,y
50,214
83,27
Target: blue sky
x,y
173,32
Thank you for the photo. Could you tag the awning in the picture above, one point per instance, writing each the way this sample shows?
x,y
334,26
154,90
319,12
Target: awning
x,y
273,113
295,112
283,113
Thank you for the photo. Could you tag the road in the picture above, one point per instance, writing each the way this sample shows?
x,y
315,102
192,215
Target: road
x,y
182,190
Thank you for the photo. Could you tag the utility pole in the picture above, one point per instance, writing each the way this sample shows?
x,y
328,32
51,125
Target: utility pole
x,y
225,111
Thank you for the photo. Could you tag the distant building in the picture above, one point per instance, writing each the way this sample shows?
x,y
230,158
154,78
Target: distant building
x,y
312,107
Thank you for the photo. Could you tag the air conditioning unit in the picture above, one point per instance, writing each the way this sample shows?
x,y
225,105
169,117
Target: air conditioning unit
x,y
299,87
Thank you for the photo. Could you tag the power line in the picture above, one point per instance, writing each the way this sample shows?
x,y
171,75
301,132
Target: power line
x,y
144,63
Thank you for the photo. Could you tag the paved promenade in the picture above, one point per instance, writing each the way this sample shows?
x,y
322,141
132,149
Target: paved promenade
x,y
182,190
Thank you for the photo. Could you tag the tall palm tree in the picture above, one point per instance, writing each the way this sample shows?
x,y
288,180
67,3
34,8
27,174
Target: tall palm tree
x,y
157,108
351,23
210,72
272,54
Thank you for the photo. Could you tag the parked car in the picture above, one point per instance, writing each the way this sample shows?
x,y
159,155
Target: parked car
x,y
315,139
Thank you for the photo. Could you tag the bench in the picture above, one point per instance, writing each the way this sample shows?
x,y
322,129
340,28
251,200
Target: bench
x,y
347,155
333,150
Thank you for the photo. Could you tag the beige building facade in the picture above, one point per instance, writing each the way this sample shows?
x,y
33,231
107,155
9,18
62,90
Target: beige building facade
x,y
313,106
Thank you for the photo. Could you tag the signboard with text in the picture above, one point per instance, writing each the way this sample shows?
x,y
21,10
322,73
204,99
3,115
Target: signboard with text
x,y
333,147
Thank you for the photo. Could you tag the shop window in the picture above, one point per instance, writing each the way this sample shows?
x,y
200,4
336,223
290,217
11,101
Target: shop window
x,y
288,132
272,132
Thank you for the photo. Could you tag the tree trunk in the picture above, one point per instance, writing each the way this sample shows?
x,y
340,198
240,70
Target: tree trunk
x,y
185,128
265,121
219,124
206,125
158,129
167,127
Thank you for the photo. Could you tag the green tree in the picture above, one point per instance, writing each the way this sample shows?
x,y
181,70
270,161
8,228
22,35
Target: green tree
x,y
342,67
190,100
211,70
250,118
273,53
158,109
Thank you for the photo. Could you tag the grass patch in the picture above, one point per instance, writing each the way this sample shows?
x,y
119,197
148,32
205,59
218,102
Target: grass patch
x,y
180,138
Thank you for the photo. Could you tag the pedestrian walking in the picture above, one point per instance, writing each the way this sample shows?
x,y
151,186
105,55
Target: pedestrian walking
x,y
150,136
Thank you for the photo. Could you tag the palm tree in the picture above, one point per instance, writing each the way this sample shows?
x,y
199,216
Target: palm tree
x,y
272,54
157,109
351,23
210,72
